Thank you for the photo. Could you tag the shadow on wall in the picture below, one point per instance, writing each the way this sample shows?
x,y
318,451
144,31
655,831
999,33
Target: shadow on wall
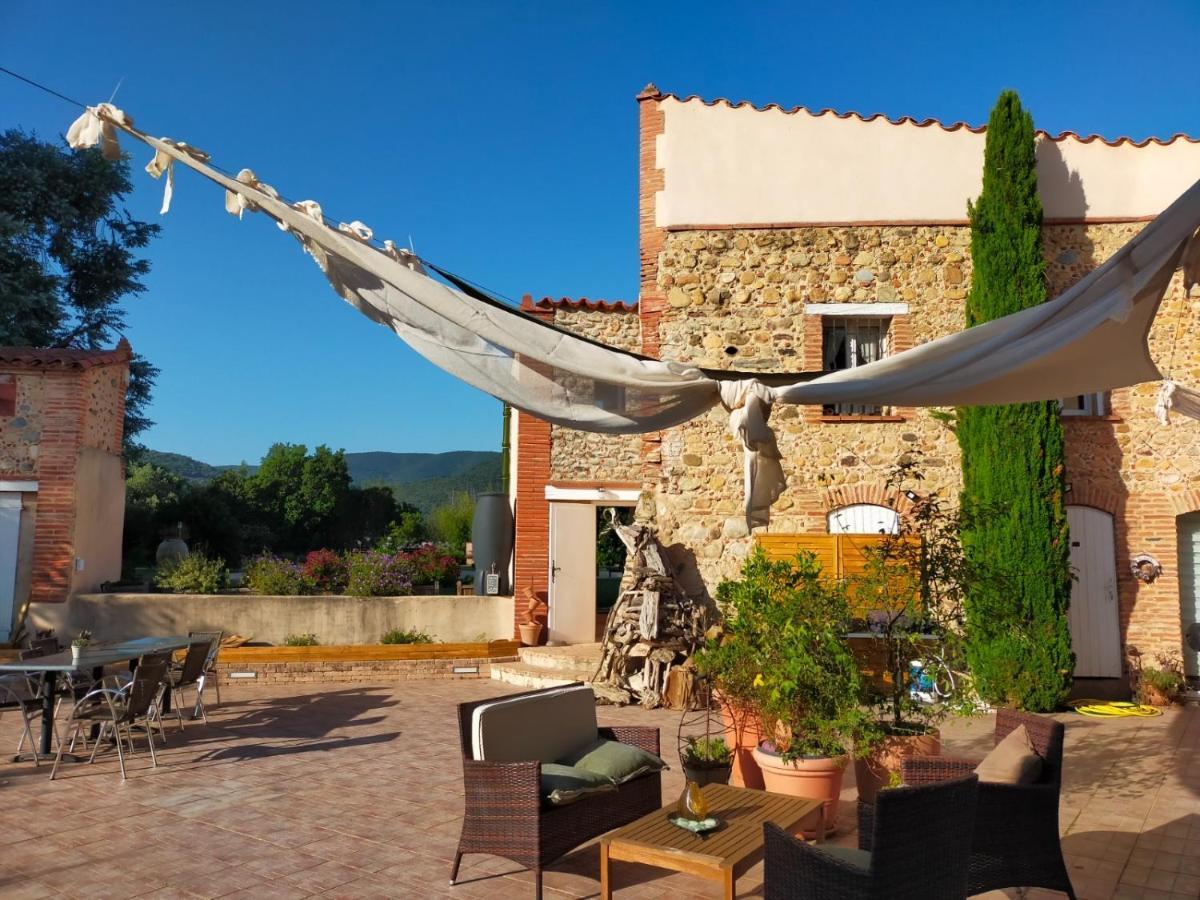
x,y
1061,188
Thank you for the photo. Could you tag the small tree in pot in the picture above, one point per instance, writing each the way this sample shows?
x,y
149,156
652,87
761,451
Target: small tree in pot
x,y
707,760
910,592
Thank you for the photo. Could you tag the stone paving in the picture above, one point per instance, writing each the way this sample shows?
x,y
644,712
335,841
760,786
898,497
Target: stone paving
x,y
339,791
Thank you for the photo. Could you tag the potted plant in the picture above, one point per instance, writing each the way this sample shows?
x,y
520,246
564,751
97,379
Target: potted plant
x,y
910,593
1158,685
707,760
80,644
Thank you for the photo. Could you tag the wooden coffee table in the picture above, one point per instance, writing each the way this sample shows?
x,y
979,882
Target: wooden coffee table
x,y
721,855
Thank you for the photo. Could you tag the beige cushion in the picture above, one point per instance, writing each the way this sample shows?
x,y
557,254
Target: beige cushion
x,y
545,727
1012,761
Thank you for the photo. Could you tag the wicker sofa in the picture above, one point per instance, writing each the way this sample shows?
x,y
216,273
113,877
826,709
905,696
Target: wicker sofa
x,y
504,812
1016,842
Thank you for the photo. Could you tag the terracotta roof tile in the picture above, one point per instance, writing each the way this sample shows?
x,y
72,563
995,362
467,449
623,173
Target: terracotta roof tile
x,y
527,302
650,92
64,358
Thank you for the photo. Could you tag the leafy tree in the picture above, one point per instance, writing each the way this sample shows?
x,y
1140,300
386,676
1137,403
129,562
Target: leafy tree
x,y
1018,639
450,523
68,255
406,530
152,494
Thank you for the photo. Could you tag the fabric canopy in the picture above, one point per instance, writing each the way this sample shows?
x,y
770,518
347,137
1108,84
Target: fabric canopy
x,y
1091,338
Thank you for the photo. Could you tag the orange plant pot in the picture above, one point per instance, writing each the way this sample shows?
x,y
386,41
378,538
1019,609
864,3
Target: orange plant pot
x,y
877,771
743,732
819,778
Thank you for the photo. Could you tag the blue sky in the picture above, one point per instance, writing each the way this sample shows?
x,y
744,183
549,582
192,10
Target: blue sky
x,y
503,139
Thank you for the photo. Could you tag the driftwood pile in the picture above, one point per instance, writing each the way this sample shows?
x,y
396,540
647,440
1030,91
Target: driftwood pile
x,y
652,629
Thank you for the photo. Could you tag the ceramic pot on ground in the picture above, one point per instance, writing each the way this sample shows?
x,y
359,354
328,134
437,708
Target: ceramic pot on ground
x,y
1153,696
875,772
531,633
816,778
707,773
743,732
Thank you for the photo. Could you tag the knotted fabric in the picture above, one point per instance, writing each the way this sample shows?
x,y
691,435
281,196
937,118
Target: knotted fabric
x,y
98,125
749,405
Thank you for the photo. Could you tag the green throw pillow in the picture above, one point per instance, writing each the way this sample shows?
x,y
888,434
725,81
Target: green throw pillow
x,y
561,784
620,762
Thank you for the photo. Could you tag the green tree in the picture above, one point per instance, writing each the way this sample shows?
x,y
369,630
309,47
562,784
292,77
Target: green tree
x,y
152,494
450,523
1018,639
68,255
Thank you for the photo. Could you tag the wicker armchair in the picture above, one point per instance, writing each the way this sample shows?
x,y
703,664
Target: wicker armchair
x,y
1016,840
921,838
504,815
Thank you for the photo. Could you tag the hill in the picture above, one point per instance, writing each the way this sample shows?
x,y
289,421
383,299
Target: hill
x,y
422,479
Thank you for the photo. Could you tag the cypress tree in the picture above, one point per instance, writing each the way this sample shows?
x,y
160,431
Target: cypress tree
x,y
1015,536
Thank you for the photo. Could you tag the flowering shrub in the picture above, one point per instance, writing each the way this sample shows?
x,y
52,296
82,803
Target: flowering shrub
x,y
194,574
430,564
375,574
326,571
268,574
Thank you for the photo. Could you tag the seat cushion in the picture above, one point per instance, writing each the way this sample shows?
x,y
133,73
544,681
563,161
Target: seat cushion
x,y
1012,761
860,859
545,726
614,760
561,784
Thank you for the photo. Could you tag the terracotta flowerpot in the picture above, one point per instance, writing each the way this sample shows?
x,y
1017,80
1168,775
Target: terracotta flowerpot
x,y
875,772
818,778
1153,696
531,633
743,732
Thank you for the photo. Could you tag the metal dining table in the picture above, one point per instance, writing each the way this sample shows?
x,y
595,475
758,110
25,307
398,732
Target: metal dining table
x,y
98,656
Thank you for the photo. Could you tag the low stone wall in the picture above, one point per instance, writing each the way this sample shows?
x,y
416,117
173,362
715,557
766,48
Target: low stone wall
x,y
335,620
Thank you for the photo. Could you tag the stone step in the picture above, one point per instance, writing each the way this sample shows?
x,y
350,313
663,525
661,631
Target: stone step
x,y
573,657
522,674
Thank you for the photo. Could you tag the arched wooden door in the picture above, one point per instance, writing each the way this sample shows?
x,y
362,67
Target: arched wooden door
x,y
1094,616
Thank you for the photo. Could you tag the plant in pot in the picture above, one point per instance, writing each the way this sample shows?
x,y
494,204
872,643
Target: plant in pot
x,y
910,591
707,760
1157,685
80,644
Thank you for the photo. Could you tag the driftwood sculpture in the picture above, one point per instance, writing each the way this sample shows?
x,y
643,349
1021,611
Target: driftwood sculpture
x,y
652,630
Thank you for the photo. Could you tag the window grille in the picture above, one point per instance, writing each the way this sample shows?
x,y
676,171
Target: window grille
x,y
850,342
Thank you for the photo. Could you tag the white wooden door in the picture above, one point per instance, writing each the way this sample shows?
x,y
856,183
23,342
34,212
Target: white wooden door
x,y
1189,584
1094,616
10,526
572,616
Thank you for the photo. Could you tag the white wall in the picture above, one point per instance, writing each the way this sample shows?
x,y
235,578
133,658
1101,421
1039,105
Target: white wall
x,y
738,166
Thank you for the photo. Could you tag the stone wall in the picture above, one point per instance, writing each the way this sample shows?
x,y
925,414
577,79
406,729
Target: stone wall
x,y
21,433
586,456
104,407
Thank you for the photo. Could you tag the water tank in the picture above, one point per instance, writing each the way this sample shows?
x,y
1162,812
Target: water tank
x,y
492,539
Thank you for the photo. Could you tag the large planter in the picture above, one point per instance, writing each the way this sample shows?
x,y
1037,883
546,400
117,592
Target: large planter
x,y
531,633
882,767
743,733
492,539
1154,696
818,778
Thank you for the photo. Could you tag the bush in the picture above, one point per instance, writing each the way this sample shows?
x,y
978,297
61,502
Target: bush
x,y
411,636
301,640
268,574
326,571
375,574
429,564
194,574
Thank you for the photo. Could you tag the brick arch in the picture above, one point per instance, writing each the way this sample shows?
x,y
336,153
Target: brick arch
x,y
1084,494
1188,501
875,494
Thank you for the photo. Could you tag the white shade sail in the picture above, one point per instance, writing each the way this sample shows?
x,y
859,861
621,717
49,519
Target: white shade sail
x,y
1093,337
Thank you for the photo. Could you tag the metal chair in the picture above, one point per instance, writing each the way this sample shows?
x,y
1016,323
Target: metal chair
x,y
16,694
190,673
920,845
119,709
210,663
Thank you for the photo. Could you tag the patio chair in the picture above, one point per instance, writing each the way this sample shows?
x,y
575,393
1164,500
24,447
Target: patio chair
x,y
117,710
1016,842
505,814
18,695
921,839
189,674
210,663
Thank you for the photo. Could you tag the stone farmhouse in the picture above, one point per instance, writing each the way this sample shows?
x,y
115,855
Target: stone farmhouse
x,y
62,479
784,239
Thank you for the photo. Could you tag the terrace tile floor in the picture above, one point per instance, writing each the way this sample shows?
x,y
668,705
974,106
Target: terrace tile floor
x,y
355,791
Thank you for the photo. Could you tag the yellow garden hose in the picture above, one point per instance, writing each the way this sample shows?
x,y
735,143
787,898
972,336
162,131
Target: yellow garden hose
x,y
1113,709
